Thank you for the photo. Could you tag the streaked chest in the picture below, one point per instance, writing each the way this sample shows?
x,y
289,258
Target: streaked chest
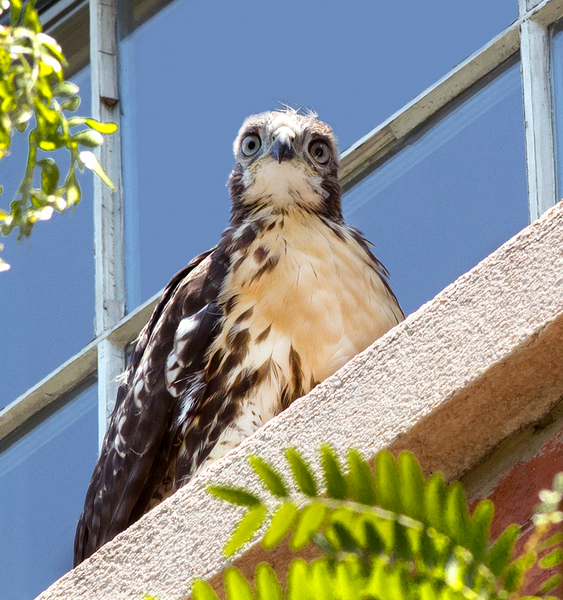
x,y
302,289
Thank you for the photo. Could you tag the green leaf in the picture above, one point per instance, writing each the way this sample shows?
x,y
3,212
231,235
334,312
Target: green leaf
x,y
309,522
30,18
66,89
234,495
73,193
346,539
335,480
47,145
551,583
555,557
500,553
551,541
480,527
343,516
203,591
71,104
90,161
402,545
320,580
236,586
411,482
90,138
269,477
360,479
514,576
387,482
105,128
15,10
435,501
301,472
267,585
297,580
49,175
457,515
245,530
280,525
373,539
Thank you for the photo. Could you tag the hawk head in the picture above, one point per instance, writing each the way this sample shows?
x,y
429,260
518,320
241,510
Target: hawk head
x,y
285,160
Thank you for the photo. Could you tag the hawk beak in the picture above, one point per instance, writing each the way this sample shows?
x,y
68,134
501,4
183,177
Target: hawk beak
x,y
282,147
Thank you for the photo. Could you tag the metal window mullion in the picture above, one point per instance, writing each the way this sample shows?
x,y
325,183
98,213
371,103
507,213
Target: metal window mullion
x,y
536,86
108,205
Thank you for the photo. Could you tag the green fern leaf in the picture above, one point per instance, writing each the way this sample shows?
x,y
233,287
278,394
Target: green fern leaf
x,y
309,522
345,537
234,495
246,528
236,586
551,583
346,580
480,529
345,517
551,541
297,580
500,553
267,585
402,545
334,478
435,502
301,472
387,482
361,479
280,525
269,477
514,576
320,579
372,537
203,591
555,557
411,482
457,515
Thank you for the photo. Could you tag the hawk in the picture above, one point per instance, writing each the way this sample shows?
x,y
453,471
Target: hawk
x,y
289,294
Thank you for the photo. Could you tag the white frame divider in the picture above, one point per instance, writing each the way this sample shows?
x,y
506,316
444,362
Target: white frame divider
x,y
108,206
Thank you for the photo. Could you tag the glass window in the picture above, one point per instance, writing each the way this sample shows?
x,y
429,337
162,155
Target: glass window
x,y
43,481
454,194
557,81
47,297
192,73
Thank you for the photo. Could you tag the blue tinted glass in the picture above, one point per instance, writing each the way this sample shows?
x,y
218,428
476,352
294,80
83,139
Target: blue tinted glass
x,y
451,196
43,481
557,73
192,74
47,297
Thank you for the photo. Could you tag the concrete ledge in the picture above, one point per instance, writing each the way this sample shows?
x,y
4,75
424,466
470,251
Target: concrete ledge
x,y
480,361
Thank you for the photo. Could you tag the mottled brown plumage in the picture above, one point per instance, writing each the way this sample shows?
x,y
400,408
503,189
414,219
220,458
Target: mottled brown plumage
x,y
289,294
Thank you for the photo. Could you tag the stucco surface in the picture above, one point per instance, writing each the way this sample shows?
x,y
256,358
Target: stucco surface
x,y
469,368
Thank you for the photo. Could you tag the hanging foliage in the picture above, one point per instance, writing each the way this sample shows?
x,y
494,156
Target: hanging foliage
x,y
35,99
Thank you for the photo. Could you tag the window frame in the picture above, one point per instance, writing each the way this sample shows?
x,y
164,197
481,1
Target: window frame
x,y
105,356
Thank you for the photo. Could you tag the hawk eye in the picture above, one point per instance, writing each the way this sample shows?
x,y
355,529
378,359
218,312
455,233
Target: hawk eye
x,y
320,152
250,145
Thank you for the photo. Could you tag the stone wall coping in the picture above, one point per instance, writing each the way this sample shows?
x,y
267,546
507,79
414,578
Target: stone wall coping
x,y
456,378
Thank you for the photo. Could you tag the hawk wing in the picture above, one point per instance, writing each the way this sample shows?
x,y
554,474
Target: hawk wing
x,y
143,432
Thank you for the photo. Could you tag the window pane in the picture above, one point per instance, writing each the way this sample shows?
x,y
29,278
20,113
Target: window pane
x,y
47,297
43,481
192,73
557,71
451,196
